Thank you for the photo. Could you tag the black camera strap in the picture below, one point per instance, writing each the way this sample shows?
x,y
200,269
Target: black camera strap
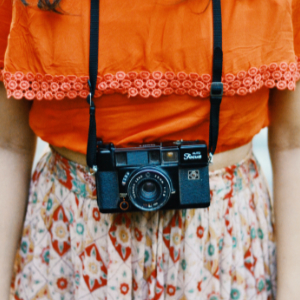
x,y
91,157
216,92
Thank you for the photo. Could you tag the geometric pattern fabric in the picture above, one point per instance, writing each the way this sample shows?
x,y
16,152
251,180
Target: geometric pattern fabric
x,y
70,251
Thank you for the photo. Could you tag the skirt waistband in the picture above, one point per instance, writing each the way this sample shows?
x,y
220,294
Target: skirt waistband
x,y
77,178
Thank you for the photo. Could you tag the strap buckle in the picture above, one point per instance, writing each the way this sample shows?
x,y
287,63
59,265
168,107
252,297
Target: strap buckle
x,y
216,90
90,98
90,94
210,158
93,170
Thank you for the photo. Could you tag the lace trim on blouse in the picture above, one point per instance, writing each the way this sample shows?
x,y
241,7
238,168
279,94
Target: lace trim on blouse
x,y
146,84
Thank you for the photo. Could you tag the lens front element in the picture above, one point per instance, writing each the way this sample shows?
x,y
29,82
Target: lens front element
x,y
149,189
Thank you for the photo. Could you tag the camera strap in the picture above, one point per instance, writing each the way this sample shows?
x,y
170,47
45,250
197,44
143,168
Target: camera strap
x,y
91,157
216,92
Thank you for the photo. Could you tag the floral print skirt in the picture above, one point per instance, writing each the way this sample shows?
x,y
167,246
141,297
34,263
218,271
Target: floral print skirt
x,y
69,250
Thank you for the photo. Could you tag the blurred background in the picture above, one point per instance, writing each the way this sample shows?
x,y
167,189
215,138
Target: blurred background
x,y
260,147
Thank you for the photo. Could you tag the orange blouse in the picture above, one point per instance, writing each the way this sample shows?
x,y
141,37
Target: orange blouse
x,y
154,74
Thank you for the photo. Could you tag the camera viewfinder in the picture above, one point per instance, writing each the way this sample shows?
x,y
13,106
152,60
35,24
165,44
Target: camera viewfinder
x,y
154,157
121,159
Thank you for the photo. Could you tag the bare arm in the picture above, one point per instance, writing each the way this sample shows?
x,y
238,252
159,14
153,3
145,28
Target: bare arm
x,y
284,145
17,146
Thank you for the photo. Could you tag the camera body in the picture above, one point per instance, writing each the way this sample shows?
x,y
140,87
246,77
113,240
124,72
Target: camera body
x,y
170,175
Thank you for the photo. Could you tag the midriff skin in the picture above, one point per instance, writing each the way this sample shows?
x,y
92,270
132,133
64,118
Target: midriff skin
x,y
220,160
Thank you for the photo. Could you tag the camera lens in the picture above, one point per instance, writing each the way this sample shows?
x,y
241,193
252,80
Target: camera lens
x,y
149,191
149,188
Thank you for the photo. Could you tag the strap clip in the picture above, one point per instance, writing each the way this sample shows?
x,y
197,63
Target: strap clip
x,y
216,90
210,158
93,170
90,99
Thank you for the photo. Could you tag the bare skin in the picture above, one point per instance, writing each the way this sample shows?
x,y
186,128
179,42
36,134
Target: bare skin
x,y
284,145
17,145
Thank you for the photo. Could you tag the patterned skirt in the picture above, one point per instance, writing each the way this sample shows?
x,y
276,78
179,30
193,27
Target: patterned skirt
x,y
69,250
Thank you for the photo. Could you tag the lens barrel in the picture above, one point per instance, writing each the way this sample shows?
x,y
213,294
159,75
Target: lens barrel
x,y
149,189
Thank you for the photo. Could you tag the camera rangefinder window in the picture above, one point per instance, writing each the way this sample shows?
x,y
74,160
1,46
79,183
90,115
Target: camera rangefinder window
x,y
170,156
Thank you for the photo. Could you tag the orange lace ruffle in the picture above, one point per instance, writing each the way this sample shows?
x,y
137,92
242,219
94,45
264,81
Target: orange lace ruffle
x,y
148,84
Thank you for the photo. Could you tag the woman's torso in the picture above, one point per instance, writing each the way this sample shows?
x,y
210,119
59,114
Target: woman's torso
x,y
154,73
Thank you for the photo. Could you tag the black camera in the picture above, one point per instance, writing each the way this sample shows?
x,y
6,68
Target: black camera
x,y
171,175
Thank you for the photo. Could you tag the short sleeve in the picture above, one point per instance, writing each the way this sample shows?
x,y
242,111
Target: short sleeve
x,y
296,25
5,20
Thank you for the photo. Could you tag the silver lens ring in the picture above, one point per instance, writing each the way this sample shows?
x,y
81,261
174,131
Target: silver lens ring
x,y
159,193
